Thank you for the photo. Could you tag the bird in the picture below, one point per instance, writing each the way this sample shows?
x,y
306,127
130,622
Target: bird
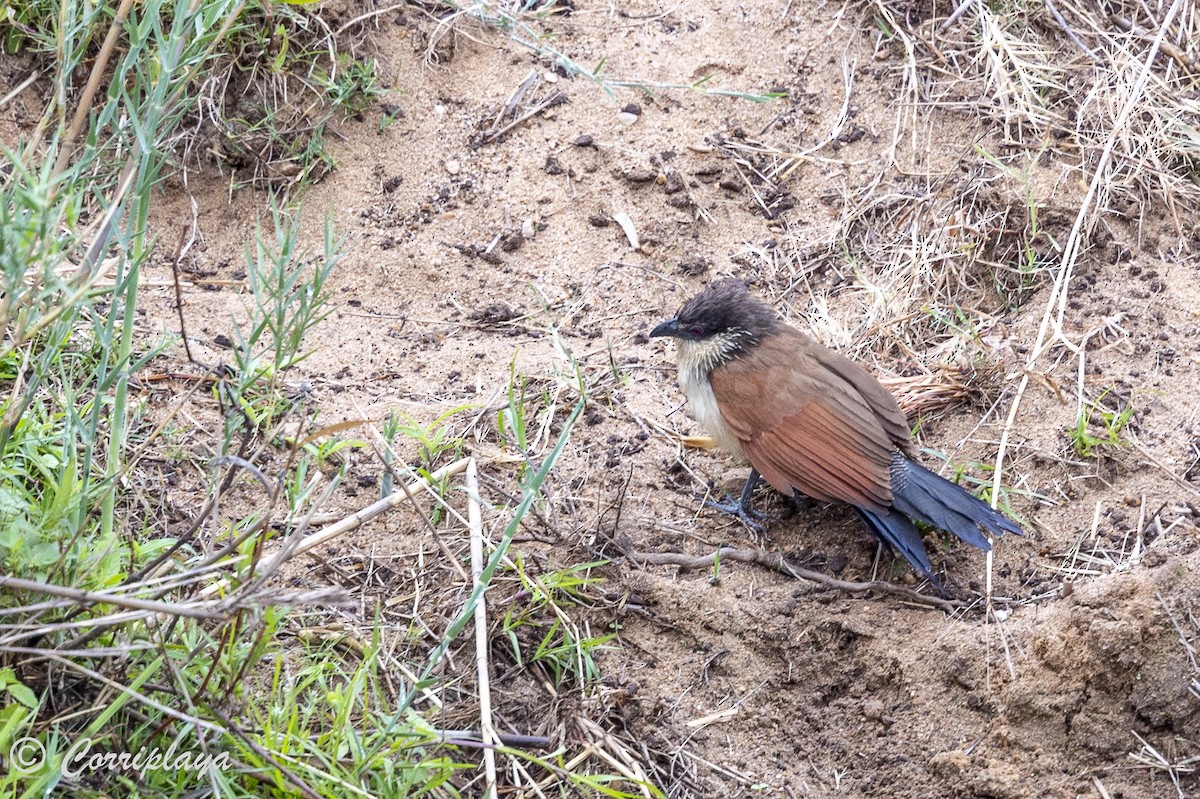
x,y
812,422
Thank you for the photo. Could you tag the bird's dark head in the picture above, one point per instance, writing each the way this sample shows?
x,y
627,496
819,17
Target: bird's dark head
x,y
724,314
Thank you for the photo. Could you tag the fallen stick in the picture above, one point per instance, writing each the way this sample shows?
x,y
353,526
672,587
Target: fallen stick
x,y
475,517
778,563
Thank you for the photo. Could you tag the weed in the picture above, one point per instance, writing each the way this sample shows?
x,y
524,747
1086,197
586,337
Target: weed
x,y
1099,428
287,299
511,420
73,216
715,577
434,441
529,492
335,726
552,641
353,87
1036,251
150,637
285,76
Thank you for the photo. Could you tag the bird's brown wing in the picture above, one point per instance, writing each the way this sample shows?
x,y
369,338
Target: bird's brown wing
x,y
880,401
809,419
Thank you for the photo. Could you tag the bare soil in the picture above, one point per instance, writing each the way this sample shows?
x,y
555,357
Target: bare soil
x,y
754,683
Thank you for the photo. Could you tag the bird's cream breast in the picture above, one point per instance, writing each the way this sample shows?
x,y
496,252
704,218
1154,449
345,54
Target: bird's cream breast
x,y
694,365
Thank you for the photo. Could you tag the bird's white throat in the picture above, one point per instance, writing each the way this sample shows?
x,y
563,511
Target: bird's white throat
x,y
696,360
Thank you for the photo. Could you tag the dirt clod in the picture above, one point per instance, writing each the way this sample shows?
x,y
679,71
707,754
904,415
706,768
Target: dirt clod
x,y
495,313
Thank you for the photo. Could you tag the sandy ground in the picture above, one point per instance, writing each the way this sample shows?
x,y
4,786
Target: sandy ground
x,y
755,684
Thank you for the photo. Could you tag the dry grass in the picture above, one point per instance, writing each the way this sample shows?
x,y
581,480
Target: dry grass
x,y
1061,72
930,250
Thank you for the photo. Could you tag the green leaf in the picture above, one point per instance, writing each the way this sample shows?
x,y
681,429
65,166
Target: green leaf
x,y
23,694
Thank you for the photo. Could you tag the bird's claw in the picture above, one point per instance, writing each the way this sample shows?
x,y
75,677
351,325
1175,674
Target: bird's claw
x,y
748,516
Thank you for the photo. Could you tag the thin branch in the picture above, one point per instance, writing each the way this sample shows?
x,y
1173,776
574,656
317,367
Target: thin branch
x,y
778,563
94,597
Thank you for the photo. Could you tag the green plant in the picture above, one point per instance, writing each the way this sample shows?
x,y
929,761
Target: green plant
x,y
17,692
157,631
511,420
433,440
335,725
353,86
285,76
267,154
529,492
73,217
1037,250
1099,427
287,299
539,616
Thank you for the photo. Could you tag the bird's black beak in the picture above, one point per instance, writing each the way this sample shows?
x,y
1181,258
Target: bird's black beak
x,y
667,328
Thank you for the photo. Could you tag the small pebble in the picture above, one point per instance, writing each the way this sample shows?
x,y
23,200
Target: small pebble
x,y
629,114
452,167
550,77
873,709
585,140
439,110
528,228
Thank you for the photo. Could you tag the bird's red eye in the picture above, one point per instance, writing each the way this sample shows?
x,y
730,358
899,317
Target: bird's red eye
x,y
696,331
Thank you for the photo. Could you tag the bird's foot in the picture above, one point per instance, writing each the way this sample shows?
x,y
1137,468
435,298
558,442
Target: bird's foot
x,y
753,519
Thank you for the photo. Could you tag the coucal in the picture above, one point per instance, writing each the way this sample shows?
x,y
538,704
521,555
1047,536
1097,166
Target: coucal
x,y
811,421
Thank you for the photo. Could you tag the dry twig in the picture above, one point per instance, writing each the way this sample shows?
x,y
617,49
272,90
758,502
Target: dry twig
x,y
777,562
475,517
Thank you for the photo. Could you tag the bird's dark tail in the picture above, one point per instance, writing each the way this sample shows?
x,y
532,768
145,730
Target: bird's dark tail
x,y
901,535
918,493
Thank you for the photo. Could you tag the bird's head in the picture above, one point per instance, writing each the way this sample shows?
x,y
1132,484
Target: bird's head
x,y
719,324
724,317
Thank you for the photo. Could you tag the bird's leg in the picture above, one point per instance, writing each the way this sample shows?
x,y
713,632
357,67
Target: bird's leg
x,y
750,517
